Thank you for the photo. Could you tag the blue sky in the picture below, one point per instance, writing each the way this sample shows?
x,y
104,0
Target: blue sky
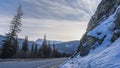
x,y
62,20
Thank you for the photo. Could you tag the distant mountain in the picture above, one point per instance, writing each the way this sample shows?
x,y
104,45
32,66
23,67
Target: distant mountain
x,y
39,41
65,47
68,47
20,41
1,38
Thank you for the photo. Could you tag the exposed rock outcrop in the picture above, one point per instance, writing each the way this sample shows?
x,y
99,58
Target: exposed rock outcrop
x,y
104,10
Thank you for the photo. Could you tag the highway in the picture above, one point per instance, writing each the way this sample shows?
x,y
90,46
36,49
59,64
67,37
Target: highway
x,y
46,63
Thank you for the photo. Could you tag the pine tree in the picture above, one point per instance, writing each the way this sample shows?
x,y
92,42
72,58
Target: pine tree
x,y
44,46
35,50
25,46
54,50
10,43
56,53
32,50
49,51
40,52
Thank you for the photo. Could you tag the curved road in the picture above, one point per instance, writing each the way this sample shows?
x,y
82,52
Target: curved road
x,y
51,63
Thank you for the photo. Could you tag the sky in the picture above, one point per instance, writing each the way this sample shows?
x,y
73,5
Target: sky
x,y
61,20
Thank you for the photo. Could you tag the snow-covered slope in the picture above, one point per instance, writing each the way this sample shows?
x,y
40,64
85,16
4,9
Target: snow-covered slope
x,y
108,58
101,44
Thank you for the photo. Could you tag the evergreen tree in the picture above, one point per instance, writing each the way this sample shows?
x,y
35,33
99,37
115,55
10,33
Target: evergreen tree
x,y
35,50
10,43
54,51
44,46
40,52
49,51
25,46
32,50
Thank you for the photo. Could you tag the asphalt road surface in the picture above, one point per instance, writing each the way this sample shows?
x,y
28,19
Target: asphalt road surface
x,y
47,63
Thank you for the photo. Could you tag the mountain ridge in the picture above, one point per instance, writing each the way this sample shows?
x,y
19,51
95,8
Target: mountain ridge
x,y
64,47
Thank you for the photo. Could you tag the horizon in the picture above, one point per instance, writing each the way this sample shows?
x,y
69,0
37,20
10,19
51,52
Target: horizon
x,y
59,20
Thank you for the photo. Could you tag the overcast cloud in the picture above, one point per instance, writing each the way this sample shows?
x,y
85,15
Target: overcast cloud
x,y
62,20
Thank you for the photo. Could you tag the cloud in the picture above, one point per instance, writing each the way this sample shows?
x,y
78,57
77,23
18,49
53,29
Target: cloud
x,y
53,9
66,9
60,19
55,29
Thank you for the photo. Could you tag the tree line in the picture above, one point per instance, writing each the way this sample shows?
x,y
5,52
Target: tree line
x,y
45,50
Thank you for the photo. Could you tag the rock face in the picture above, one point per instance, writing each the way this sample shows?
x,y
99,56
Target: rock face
x,y
104,10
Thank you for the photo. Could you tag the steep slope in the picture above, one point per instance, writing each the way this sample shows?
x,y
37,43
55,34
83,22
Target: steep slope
x,y
108,58
99,47
103,23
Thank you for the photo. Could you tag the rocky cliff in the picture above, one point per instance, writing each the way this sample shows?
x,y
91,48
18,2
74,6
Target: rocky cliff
x,y
104,11
101,43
